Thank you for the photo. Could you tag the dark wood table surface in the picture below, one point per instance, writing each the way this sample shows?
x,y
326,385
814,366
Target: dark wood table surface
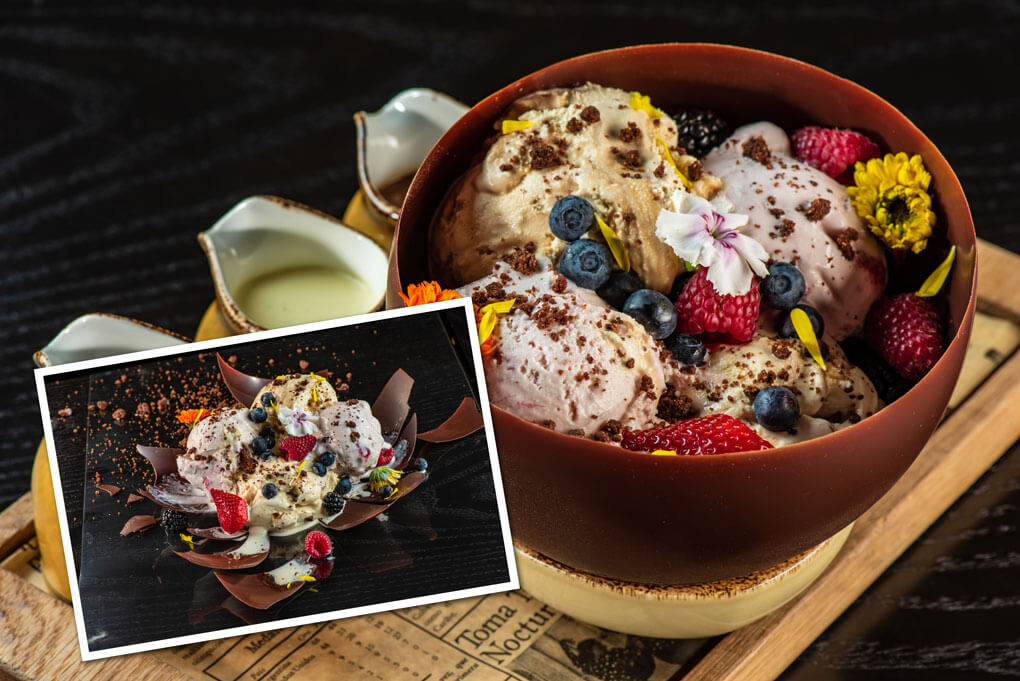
x,y
126,128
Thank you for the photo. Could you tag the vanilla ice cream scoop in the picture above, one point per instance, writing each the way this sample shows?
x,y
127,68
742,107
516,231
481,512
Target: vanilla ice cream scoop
x,y
564,359
830,399
803,217
586,141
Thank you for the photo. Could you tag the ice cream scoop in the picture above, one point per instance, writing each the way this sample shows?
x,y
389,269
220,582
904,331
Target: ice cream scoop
x,y
802,217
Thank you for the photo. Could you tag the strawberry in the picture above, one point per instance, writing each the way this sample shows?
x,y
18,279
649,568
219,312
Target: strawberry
x,y
715,434
385,456
231,510
907,332
296,448
317,544
701,310
832,150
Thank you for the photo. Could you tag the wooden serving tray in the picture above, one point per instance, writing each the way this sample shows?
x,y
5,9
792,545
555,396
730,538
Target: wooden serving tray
x,y
39,640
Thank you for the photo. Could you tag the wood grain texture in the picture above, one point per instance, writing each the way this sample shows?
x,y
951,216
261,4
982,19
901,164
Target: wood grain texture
x,y
16,525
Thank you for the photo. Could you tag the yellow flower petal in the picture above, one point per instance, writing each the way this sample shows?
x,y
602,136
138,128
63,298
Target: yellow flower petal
x,y
933,284
806,333
616,246
298,474
486,325
668,157
640,102
510,126
663,452
502,307
307,578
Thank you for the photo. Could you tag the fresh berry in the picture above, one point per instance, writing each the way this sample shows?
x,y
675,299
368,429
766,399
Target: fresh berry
x,y
678,285
817,323
385,456
258,415
266,431
231,510
889,385
587,263
269,490
420,465
318,544
344,486
327,458
700,131
268,399
270,441
907,332
619,287
386,491
686,348
571,217
333,503
783,288
832,150
259,445
319,469
653,311
296,448
776,408
715,434
701,310
173,521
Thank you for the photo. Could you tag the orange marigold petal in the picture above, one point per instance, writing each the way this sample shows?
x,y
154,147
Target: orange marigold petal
x,y
192,416
427,292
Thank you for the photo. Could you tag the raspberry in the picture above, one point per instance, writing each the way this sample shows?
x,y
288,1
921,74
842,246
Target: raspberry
x,y
701,310
907,332
297,448
231,510
317,544
385,456
832,150
715,434
323,568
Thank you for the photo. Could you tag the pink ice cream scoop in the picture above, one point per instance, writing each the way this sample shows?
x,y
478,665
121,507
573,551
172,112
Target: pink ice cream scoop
x,y
803,217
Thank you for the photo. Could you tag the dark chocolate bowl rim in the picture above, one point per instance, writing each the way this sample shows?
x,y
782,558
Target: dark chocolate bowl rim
x,y
849,105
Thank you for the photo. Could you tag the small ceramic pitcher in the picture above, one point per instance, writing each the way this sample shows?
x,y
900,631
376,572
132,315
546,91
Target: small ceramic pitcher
x,y
393,141
276,263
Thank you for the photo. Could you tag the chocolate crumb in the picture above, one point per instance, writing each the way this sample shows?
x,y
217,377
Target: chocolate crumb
x,y
590,114
786,227
844,242
757,150
574,125
631,133
647,386
65,412
522,260
548,423
506,167
660,171
576,432
119,416
143,411
632,159
674,407
559,284
816,210
102,404
610,431
782,347
303,364
542,155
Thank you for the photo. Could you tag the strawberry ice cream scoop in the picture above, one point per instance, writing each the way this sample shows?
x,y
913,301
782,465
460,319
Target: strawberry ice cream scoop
x,y
802,217
354,435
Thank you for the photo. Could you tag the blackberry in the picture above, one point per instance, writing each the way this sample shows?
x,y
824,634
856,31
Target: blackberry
x,y
333,503
174,522
266,431
889,385
700,131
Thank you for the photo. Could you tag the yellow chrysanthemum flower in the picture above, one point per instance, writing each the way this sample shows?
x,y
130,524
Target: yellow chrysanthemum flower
x,y
891,197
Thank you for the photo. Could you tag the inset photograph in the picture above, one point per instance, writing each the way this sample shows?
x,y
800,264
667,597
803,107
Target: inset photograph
x,y
275,479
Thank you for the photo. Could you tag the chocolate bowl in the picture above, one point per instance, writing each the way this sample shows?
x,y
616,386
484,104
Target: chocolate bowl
x,y
677,520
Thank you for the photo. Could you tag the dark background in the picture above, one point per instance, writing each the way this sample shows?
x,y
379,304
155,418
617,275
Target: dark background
x,y
127,128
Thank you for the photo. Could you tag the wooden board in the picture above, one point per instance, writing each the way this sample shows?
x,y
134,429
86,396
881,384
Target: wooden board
x,y
40,642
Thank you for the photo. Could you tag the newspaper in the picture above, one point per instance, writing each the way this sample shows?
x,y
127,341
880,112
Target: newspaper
x,y
503,637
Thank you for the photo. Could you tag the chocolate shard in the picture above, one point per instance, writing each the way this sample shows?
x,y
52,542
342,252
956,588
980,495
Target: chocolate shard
x,y
391,407
215,532
466,420
360,511
224,560
403,448
163,459
243,387
132,498
139,523
256,590
174,492
109,489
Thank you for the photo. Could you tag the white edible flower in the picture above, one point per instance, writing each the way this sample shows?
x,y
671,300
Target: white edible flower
x,y
297,422
705,234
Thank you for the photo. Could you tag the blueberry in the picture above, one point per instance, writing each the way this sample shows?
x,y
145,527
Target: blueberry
x,y
344,486
653,311
783,288
266,456
268,399
385,491
266,431
319,468
679,283
776,408
787,330
258,414
259,445
327,458
571,218
619,287
269,490
420,465
587,263
686,348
